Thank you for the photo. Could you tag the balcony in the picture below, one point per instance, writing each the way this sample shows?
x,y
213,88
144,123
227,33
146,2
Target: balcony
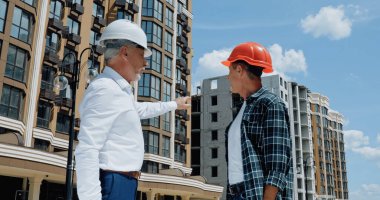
x,y
182,114
182,40
187,29
51,56
181,17
77,8
187,50
182,138
100,22
130,7
61,101
47,93
181,62
186,70
74,38
55,24
180,86
99,49
133,8
67,68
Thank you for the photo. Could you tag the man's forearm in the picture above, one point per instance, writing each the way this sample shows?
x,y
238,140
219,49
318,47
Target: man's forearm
x,y
270,192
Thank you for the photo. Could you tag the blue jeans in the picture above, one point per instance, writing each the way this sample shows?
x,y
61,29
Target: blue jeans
x,y
117,186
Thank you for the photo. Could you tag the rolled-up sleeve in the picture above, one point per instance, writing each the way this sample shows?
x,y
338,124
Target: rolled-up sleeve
x,y
276,146
98,112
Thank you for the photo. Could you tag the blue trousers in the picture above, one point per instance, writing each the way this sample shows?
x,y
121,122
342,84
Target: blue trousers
x,y
117,186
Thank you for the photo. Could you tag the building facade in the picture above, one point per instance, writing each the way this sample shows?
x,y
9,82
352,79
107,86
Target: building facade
x,y
42,39
213,108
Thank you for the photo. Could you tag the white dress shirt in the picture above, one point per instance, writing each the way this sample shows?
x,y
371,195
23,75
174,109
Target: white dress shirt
x,y
110,135
235,160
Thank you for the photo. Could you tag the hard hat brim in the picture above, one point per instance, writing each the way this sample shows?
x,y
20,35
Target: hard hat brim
x,y
147,52
226,63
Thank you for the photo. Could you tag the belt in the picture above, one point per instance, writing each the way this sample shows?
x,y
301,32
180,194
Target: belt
x,y
133,174
237,188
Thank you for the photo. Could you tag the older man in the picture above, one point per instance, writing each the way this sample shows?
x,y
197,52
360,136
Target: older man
x,y
258,139
110,152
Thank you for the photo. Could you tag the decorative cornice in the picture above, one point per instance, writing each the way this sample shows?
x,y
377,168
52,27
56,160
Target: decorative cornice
x,y
48,135
12,124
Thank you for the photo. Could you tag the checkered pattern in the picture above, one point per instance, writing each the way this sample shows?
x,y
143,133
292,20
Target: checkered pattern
x,y
266,146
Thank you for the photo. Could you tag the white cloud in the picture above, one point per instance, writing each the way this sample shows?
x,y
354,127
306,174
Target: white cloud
x,y
354,139
287,61
209,66
329,21
357,142
366,191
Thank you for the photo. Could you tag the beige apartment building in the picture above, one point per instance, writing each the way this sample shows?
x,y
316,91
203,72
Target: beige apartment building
x,y
37,41
329,154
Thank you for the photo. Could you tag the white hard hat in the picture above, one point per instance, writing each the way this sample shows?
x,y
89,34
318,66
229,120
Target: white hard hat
x,y
127,30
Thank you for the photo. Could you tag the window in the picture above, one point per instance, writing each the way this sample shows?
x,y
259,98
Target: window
x,y
168,42
29,2
214,171
155,60
177,151
47,77
149,86
3,12
214,152
214,117
41,144
151,142
63,122
16,63
281,82
214,135
170,2
153,32
286,85
21,25
97,10
155,122
56,9
169,18
52,42
152,8
195,141
77,1
122,14
166,146
167,91
94,38
12,101
167,119
214,100
150,167
73,26
43,115
179,29
286,97
179,51
282,94
68,62
214,84
168,67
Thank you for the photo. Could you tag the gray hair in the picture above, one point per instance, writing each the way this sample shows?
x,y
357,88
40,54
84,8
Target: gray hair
x,y
113,47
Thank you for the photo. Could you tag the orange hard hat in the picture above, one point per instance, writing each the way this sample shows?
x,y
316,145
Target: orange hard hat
x,y
253,53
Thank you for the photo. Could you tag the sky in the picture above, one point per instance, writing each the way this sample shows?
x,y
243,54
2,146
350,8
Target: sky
x,y
332,47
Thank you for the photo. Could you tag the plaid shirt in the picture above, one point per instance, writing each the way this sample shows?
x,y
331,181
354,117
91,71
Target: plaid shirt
x,y
266,146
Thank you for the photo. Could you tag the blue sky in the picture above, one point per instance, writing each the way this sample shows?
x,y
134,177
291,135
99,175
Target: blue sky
x,y
332,47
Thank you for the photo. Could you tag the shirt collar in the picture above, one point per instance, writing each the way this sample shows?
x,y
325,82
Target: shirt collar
x,y
124,85
256,94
